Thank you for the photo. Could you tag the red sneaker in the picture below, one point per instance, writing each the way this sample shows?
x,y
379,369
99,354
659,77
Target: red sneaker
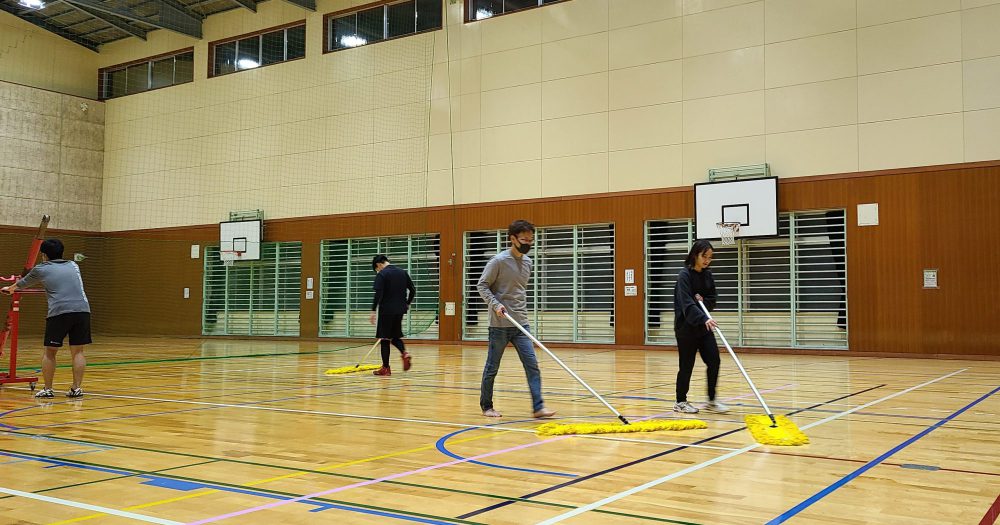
x,y
384,371
406,361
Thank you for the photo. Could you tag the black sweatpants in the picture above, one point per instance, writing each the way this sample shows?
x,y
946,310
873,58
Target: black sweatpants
x,y
687,347
397,342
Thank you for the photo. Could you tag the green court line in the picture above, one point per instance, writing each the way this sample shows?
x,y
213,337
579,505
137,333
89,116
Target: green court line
x,y
137,473
117,477
202,358
327,473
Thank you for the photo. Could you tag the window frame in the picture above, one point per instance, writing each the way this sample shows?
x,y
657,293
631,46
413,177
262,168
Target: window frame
x,y
329,17
260,38
101,84
467,10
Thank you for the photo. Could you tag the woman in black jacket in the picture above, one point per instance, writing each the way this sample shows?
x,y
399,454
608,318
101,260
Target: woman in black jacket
x,y
693,328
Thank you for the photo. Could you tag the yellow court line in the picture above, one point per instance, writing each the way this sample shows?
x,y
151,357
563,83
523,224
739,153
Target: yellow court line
x,y
286,476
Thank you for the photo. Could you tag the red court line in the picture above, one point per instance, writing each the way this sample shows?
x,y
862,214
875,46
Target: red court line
x,y
992,513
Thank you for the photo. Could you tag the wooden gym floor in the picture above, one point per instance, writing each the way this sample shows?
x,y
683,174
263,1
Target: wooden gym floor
x,y
247,432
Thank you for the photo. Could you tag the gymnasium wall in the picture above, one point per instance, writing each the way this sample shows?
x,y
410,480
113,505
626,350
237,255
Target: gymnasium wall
x,y
578,97
31,56
935,217
51,158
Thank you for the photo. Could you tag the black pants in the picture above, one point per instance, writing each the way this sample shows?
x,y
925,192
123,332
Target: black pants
x,y
687,347
397,342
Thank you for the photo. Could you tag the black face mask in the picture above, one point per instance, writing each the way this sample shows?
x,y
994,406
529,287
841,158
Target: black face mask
x,y
524,248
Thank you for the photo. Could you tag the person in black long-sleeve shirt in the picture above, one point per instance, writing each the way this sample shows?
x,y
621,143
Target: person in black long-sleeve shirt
x,y
394,291
693,328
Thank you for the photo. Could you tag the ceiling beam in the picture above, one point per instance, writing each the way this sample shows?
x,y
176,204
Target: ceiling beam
x,y
304,4
249,4
112,20
40,22
170,15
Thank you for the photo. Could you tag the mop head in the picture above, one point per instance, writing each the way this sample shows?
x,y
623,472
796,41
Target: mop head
x,y
786,434
652,425
350,369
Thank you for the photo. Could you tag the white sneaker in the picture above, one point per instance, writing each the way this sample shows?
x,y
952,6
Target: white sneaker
x,y
45,393
715,406
685,407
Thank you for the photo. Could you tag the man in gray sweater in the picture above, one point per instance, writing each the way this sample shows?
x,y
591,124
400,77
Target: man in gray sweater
x,y
69,313
503,286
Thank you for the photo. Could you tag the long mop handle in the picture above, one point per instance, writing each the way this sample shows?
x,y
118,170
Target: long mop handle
x,y
370,350
740,366
571,372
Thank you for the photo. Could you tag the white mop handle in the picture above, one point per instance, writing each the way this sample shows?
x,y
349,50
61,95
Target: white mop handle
x,y
553,356
370,350
737,360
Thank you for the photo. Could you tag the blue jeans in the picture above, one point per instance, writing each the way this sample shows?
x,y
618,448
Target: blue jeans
x,y
499,337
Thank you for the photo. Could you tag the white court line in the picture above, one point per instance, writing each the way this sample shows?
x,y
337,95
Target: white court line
x,y
693,468
87,506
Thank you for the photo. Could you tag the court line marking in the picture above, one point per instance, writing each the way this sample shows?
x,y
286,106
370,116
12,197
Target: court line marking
x,y
806,503
615,497
268,480
363,483
87,506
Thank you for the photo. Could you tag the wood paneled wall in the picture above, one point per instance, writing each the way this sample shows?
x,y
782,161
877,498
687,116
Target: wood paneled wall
x,y
941,217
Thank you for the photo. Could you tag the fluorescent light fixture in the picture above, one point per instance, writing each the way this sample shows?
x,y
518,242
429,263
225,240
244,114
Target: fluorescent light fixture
x,y
32,4
247,63
352,41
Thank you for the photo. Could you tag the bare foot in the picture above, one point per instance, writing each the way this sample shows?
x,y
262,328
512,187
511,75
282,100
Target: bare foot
x,y
543,413
492,413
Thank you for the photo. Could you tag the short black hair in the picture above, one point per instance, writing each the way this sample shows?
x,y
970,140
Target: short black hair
x,y
520,226
52,248
700,246
377,260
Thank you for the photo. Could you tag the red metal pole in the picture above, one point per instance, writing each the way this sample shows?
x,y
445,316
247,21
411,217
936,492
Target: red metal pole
x,y
14,314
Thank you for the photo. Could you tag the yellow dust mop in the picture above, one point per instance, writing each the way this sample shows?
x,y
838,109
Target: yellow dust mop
x,y
358,367
765,429
557,429
652,425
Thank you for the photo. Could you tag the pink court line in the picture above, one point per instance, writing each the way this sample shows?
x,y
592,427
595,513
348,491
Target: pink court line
x,y
417,471
364,483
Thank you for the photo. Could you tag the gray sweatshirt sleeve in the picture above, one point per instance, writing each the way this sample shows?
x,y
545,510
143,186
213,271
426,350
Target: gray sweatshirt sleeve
x,y
33,278
486,281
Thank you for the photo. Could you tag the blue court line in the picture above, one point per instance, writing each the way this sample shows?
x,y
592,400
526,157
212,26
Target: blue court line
x,y
186,486
444,450
55,456
867,466
594,475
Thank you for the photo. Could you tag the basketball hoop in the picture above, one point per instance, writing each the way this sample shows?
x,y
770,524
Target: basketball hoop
x,y
228,257
728,231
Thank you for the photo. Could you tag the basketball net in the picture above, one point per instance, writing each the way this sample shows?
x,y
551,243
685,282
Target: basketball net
x,y
728,231
228,257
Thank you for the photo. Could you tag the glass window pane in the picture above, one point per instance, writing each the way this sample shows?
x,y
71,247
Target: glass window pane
x,y
514,5
114,84
370,25
248,53
296,42
184,68
401,19
225,58
485,8
428,14
273,47
344,32
137,78
163,73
